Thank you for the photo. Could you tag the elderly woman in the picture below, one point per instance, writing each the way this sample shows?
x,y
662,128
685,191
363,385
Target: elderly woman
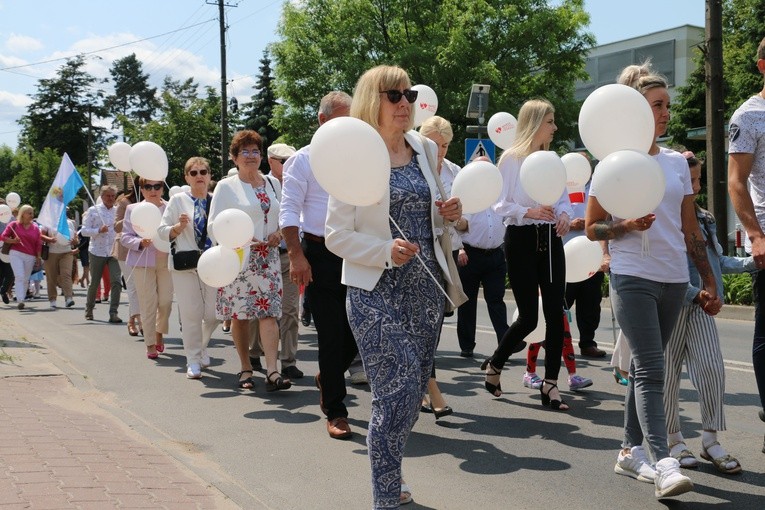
x,y
26,242
256,293
147,267
184,224
395,308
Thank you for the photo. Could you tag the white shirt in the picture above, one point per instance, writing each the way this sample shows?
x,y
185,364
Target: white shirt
x,y
665,260
514,202
747,136
486,230
304,201
100,243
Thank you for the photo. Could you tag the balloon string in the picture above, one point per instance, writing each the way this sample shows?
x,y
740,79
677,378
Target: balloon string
x,y
132,268
549,250
645,248
422,261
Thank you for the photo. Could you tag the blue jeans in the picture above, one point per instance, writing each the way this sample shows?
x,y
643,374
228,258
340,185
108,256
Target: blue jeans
x,y
647,312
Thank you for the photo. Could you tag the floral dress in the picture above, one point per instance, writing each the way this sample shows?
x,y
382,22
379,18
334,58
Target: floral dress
x,y
256,292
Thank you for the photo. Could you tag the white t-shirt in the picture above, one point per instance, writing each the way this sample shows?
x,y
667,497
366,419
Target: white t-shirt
x,y
665,260
747,130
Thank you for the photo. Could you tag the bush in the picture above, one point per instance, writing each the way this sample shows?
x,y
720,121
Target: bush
x,y
738,289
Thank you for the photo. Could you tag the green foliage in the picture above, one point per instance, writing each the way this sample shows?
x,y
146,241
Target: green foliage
x,y
32,174
260,111
132,98
738,289
522,48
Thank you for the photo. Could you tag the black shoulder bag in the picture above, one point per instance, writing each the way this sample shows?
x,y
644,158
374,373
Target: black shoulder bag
x,y
183,260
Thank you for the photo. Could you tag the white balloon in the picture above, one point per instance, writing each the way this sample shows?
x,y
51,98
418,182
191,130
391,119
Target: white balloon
x,y
119,155
160,244
174,190
145,219
350,161
186,188
13,200
149,161
616,117
578,172
218,266
478,185
233,171
501,128
543,177
233,228
426,104
630,184
583,258
6,213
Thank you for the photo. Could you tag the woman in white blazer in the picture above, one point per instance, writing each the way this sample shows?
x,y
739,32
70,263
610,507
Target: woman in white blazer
x,y
185,225
394,307
256,293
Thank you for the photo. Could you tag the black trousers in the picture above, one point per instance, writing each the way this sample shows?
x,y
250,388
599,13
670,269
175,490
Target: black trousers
x,y
337,347
487,268
587,296
531,250
6,277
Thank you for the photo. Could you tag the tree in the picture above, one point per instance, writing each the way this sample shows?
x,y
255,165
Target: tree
x,y
260,111
187,126
521,48
32,174
132,98
62,111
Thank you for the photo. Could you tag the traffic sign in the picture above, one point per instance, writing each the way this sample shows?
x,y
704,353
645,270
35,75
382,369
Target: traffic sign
x,y
475,147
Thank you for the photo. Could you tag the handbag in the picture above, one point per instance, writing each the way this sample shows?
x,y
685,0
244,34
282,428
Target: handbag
x,y
44,251
453,282
6,249
189,259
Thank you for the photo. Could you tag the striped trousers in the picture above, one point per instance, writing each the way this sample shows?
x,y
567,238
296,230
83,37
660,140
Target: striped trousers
x,y
695,340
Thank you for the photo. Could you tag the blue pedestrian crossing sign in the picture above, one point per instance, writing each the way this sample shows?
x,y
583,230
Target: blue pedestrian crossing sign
x,y
476,147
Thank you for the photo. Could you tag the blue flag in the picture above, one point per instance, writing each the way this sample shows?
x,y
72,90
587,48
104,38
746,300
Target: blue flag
x,y
64,188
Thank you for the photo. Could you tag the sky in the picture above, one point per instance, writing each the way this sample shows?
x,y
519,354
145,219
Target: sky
x,y
180,38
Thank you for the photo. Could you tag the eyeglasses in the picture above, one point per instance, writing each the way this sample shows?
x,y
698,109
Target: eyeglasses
x,y
254,153
394,96
155,187
194,173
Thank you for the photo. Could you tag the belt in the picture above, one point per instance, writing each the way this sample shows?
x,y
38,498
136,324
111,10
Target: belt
x,y
485,251
313,237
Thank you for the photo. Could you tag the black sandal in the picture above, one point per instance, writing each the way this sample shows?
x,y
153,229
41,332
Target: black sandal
x,y
553,404
492,388
243,383
278,384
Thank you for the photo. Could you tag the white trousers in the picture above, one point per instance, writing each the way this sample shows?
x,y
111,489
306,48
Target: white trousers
x,y
131,292
196,304
22,265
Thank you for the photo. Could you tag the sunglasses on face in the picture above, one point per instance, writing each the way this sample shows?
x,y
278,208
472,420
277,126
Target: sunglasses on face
x,y
394,96
155,187
194,173
254,153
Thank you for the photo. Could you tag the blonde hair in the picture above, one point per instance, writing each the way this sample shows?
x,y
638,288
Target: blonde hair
x,y
24,208
196,160
641,77
439,126
530,118
366,95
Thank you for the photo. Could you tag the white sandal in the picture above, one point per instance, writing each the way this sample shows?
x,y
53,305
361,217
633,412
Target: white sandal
x,y
406,494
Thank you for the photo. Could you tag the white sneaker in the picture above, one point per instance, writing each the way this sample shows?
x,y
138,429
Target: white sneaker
x,y
69,303
577,382
669,480
205,360
635,465
359,377
194,371
532,380
52,305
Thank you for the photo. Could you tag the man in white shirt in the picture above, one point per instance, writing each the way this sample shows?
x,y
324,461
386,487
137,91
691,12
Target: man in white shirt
x,y
746,185
99,226
304,208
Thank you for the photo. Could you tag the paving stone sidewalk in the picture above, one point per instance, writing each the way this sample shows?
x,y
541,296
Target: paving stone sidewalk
x,y
58,449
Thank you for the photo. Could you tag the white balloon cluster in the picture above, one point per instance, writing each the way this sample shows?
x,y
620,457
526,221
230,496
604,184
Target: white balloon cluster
x,y
233,230
147,159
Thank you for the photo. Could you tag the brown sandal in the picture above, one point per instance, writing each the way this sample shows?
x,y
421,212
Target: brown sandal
x,y
132,328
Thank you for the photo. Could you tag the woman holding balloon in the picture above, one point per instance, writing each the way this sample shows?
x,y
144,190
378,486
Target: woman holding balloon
x,y
147,265
26,243
256,292
395,307
534,253
184,224
649,278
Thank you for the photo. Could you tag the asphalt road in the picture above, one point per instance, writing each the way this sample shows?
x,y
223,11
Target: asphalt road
x,y
271,450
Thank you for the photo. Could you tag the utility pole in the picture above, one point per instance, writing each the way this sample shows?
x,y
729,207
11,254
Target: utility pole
x,y
90,145
717,182
223,100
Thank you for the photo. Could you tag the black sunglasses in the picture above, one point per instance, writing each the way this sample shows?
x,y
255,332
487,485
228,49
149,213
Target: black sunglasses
x,y
394,96
155,187
193,173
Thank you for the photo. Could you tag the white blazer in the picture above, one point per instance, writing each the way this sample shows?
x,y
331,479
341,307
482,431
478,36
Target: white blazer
x,y
361,236
229,193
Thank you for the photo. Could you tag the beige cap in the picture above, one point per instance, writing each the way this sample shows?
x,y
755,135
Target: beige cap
x,y
280,151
